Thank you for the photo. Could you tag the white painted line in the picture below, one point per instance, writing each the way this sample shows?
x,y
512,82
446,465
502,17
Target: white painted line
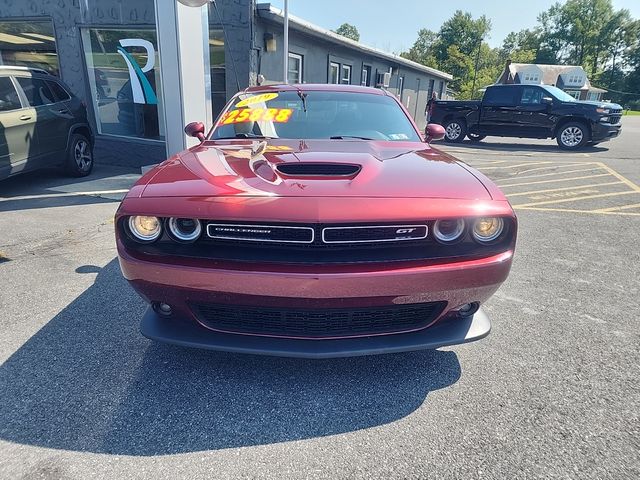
x,y
518,177
66,194
550,163
556,166
615,209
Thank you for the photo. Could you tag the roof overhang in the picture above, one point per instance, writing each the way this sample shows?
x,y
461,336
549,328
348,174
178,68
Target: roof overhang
x,y
276,15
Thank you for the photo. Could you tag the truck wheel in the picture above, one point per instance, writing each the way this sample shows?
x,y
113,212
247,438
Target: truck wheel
x,y
572,136
79,156
455,131
474,137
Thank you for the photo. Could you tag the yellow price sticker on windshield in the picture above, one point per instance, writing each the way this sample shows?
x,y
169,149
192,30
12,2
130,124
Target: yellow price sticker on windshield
x,y
276,115
263,97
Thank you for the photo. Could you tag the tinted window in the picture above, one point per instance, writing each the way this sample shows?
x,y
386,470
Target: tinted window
x,y
59,92
8,96
36,91
500,96
316,114
531,96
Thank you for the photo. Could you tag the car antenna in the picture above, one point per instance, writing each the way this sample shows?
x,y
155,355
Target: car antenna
x,y
226,43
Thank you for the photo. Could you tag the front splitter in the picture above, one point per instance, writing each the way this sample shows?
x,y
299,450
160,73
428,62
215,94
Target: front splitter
x,y
450,332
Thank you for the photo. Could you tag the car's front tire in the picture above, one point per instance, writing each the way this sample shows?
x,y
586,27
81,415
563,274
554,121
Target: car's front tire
x,y
79,156
455,131
572,136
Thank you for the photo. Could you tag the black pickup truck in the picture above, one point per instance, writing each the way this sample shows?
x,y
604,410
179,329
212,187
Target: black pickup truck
x,y
529,111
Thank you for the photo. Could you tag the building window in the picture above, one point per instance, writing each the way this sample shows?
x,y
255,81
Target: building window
x,y
440,89
400,87
124,77
345,77
294,75
575,79
29,43
218,71
334,73
366,74
431,87
531,77
574,93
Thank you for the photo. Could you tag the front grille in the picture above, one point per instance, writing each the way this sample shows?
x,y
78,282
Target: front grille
x,y
317,323
260,233
303,244
615,116
318,169
374,233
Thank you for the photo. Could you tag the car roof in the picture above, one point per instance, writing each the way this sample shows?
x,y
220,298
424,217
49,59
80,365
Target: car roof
x,y
17,70
317,87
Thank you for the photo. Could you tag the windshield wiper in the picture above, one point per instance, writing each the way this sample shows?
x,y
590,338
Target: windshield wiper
x,y
343,137
245,135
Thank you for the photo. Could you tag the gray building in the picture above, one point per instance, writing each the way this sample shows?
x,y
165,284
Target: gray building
x,y
106,51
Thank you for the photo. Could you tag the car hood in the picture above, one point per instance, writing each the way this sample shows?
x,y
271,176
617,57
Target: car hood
x,y
252,168
611,106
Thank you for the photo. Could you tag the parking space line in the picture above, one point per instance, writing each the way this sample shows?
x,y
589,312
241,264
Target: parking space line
x,y
576,199
622,178
516,165
555,173
555,165
65,194
534,192
615,209
556,180
569,210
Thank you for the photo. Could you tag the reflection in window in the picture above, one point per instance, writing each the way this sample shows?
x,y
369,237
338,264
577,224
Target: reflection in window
x,y
30,44
124,76
36,90
218,71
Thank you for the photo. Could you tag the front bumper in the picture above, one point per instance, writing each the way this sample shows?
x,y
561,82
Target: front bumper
x,y
602,132
451,332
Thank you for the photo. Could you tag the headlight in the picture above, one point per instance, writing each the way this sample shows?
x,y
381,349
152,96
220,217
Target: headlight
x,y
487,229
145,229
185,229
602,110
448,230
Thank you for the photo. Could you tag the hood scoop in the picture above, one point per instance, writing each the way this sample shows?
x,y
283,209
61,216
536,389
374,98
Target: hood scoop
x,y
318,169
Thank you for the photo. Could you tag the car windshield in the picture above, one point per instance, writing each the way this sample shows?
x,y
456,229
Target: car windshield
x,y
315,115
559,94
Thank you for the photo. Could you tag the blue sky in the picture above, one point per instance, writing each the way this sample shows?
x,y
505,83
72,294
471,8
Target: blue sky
x,y
394,28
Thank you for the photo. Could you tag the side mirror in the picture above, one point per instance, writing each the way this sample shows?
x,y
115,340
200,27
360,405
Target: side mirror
x,y
434,132
547,101
196,130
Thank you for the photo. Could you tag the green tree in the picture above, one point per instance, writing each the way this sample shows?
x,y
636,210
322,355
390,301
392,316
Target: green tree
x,y
422,49
349,31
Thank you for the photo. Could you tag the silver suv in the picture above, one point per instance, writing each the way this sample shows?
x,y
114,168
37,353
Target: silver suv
x,y
42,124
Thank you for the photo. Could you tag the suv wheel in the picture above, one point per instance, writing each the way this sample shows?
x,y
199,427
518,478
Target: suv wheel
x,y
572,136
79,156
455,131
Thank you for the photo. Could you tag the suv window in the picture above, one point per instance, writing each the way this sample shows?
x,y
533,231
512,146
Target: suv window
x,y
60,93
500,96
531,96
36,91
8,96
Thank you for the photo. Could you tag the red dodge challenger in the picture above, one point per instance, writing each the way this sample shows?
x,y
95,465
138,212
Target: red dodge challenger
x,y
315,221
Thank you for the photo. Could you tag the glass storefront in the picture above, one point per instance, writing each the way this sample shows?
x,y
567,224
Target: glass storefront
x,y
218,72
29,43
124,76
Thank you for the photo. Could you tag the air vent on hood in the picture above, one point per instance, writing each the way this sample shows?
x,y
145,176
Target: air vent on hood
x,y
308,169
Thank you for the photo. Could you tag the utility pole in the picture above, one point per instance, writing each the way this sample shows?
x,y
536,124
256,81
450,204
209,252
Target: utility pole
x,y
285,45
475,72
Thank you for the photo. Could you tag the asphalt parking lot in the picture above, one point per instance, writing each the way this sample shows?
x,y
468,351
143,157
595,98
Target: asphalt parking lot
x,y
553,392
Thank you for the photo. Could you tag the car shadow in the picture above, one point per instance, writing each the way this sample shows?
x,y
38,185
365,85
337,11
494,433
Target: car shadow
x,y
88,381
51,188
487,144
